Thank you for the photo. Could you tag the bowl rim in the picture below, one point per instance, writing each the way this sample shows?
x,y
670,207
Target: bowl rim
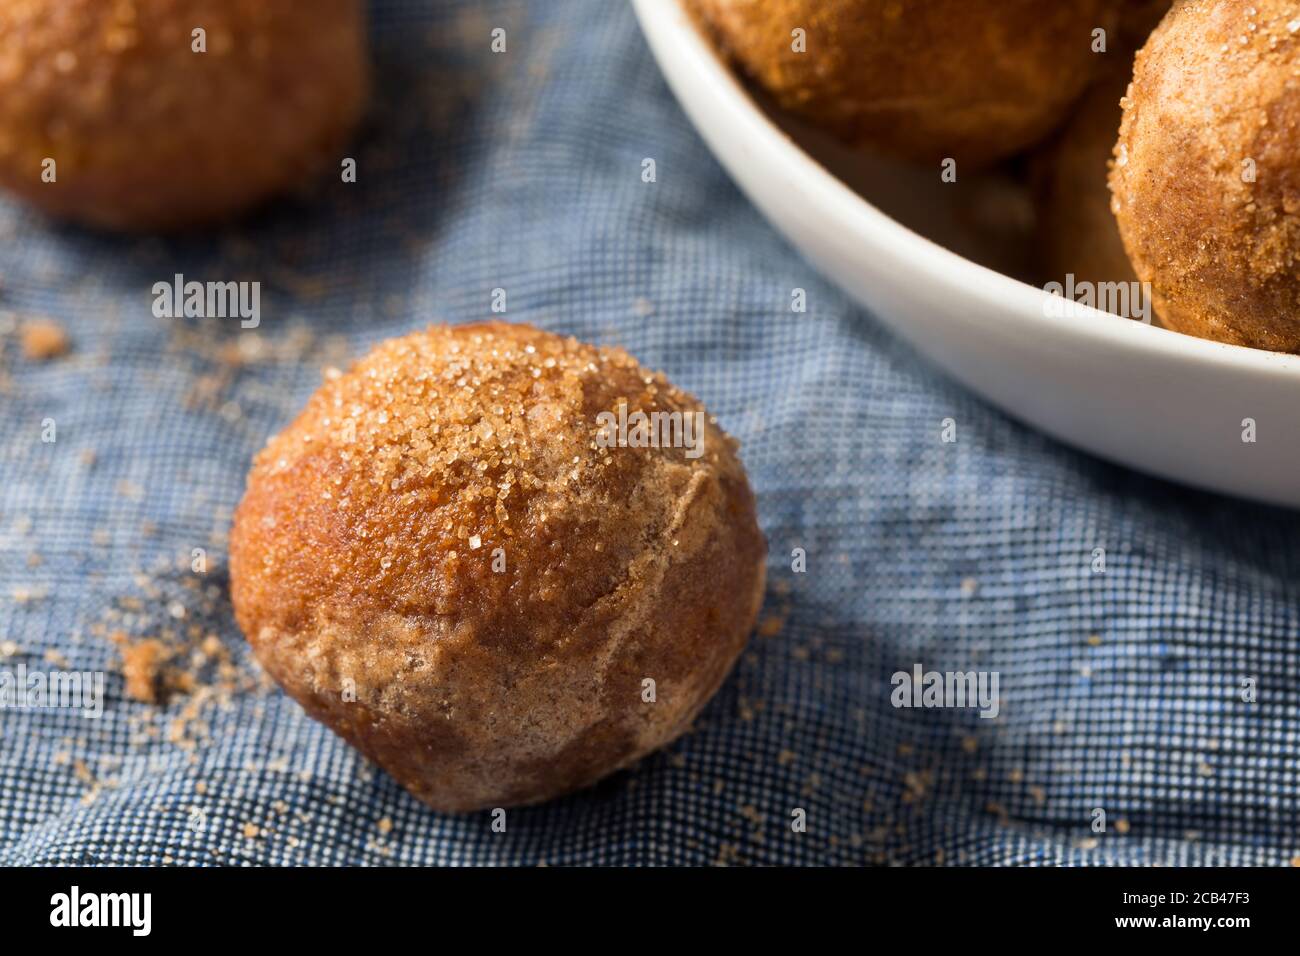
x,y
850,214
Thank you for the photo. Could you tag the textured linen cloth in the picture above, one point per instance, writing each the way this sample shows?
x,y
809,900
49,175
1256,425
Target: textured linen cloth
x,y
522,171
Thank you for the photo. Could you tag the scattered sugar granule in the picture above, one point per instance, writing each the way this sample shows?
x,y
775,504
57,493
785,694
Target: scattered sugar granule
x,y
43,339
142,663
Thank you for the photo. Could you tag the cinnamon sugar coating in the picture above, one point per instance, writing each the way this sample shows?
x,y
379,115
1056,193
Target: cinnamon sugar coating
x,y
146,133
441,536
1206,177
975,80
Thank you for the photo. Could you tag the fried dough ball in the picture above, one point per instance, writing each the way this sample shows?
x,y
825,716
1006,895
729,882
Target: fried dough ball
x,y
148,134
1206,178
974,80
445,562
1078,234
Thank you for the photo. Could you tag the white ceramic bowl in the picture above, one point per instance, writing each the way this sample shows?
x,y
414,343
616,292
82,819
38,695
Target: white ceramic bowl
x,y
1149,398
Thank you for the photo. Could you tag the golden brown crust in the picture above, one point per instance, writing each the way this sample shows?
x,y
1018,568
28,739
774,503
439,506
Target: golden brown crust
x,y
364,549
975,80
148,134
1215,104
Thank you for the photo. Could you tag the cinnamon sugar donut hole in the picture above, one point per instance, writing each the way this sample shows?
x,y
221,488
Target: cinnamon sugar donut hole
x,y
975,80
1206,177
151,126
450,560
1078,234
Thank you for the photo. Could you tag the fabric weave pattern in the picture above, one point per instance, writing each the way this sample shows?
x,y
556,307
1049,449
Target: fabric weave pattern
x,y
522,171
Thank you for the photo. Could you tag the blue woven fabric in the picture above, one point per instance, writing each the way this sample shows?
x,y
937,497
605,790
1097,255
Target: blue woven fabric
x,y
522,171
